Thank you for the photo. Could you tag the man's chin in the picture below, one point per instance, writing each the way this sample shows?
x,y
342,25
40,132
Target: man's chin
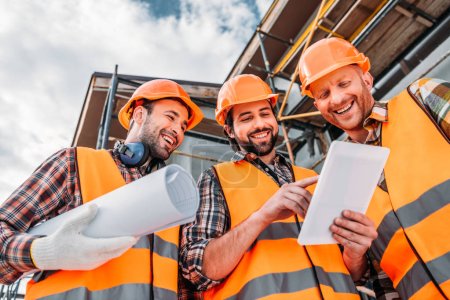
x,y
162,154
348,126
345,124
262,150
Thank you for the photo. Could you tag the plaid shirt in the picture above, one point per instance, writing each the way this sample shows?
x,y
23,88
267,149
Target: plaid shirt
x,y
434,95
51,190
213,217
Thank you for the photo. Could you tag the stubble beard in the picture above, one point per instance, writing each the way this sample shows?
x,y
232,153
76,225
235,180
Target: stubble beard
x,y
262,149
362,102
151,139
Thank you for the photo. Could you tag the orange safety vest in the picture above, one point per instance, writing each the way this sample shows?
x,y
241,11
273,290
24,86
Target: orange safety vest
x,y
276,266
129,276
413,220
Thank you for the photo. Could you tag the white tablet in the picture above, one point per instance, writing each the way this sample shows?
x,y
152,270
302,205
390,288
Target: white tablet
x,y
348,180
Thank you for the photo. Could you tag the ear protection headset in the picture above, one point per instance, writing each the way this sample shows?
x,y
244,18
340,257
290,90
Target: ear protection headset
x,y
133,154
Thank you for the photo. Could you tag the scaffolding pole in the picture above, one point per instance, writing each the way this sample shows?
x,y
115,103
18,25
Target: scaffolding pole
x,y
299,42
294,77
312,29
102,139
288,144
344,18
266,60
299,116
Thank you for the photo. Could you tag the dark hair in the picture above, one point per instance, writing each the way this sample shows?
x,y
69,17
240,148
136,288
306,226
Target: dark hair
x,y
148,105
229,121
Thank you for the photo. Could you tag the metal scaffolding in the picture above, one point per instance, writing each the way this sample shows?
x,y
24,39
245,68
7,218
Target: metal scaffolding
x,y
304,39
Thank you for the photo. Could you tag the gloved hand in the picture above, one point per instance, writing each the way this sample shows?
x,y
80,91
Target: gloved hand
x,y
69,249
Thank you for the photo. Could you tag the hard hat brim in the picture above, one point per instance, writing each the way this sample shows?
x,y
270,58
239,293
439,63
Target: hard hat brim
x,y
196,115
221,115
364,65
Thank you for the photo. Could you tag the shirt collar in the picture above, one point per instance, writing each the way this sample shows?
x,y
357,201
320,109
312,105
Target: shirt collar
x,y
372,123
379,113
248,156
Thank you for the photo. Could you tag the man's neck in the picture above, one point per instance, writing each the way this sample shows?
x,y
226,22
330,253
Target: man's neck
x,y
358,136
147,162
269,158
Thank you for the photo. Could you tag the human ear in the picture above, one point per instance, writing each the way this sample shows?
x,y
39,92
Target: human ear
x,y
139,115
228,130
368,80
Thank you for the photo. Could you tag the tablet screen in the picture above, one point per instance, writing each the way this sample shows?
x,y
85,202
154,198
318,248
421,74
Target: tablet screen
x,y
348,180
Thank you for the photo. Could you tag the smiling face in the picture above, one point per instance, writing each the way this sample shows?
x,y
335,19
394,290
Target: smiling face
x,y
255,128
344,99
163,129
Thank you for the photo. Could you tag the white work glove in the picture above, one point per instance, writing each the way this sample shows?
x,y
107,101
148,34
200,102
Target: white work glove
x,y
69,249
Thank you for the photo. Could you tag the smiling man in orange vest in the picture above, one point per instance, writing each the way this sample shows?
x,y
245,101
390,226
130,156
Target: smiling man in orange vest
x,y
75,266
410,207
243,243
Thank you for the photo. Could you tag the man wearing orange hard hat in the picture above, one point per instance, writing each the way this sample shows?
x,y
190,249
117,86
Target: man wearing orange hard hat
x,y
410,207
75,266
243,243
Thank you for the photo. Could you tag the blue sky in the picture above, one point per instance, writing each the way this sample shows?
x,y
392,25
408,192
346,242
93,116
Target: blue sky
x,y
164,8
50,49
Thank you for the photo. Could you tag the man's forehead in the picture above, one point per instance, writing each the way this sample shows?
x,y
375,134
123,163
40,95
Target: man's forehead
x,y
345,71
171,104
251,106
337,75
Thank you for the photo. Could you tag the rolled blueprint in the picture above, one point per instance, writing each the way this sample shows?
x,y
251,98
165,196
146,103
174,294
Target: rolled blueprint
x,y
165,198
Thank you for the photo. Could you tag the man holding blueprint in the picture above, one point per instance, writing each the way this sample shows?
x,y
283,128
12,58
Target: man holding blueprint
x,y
243,243
75,266
410,206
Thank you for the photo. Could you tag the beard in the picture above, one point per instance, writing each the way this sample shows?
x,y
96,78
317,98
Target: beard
x,y
363,105
261,149
368,104
152,139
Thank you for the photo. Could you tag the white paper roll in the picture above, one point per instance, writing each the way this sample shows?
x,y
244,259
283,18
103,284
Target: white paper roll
x,y
162,199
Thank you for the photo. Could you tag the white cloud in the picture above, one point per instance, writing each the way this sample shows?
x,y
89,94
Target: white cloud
x,y
263,6
50,48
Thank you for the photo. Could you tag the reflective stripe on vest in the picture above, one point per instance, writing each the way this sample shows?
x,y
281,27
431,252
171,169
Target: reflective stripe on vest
x,y
275,266
417,176
126,277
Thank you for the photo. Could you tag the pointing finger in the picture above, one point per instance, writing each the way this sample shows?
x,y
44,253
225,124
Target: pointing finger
x,y
304,183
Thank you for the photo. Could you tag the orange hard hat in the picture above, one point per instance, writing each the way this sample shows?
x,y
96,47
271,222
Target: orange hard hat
x,y
242,89
325,56
156,90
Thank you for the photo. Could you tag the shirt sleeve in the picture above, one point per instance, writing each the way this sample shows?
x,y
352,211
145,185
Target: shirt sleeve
x,y
48,192
434,94
379,281
212,221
